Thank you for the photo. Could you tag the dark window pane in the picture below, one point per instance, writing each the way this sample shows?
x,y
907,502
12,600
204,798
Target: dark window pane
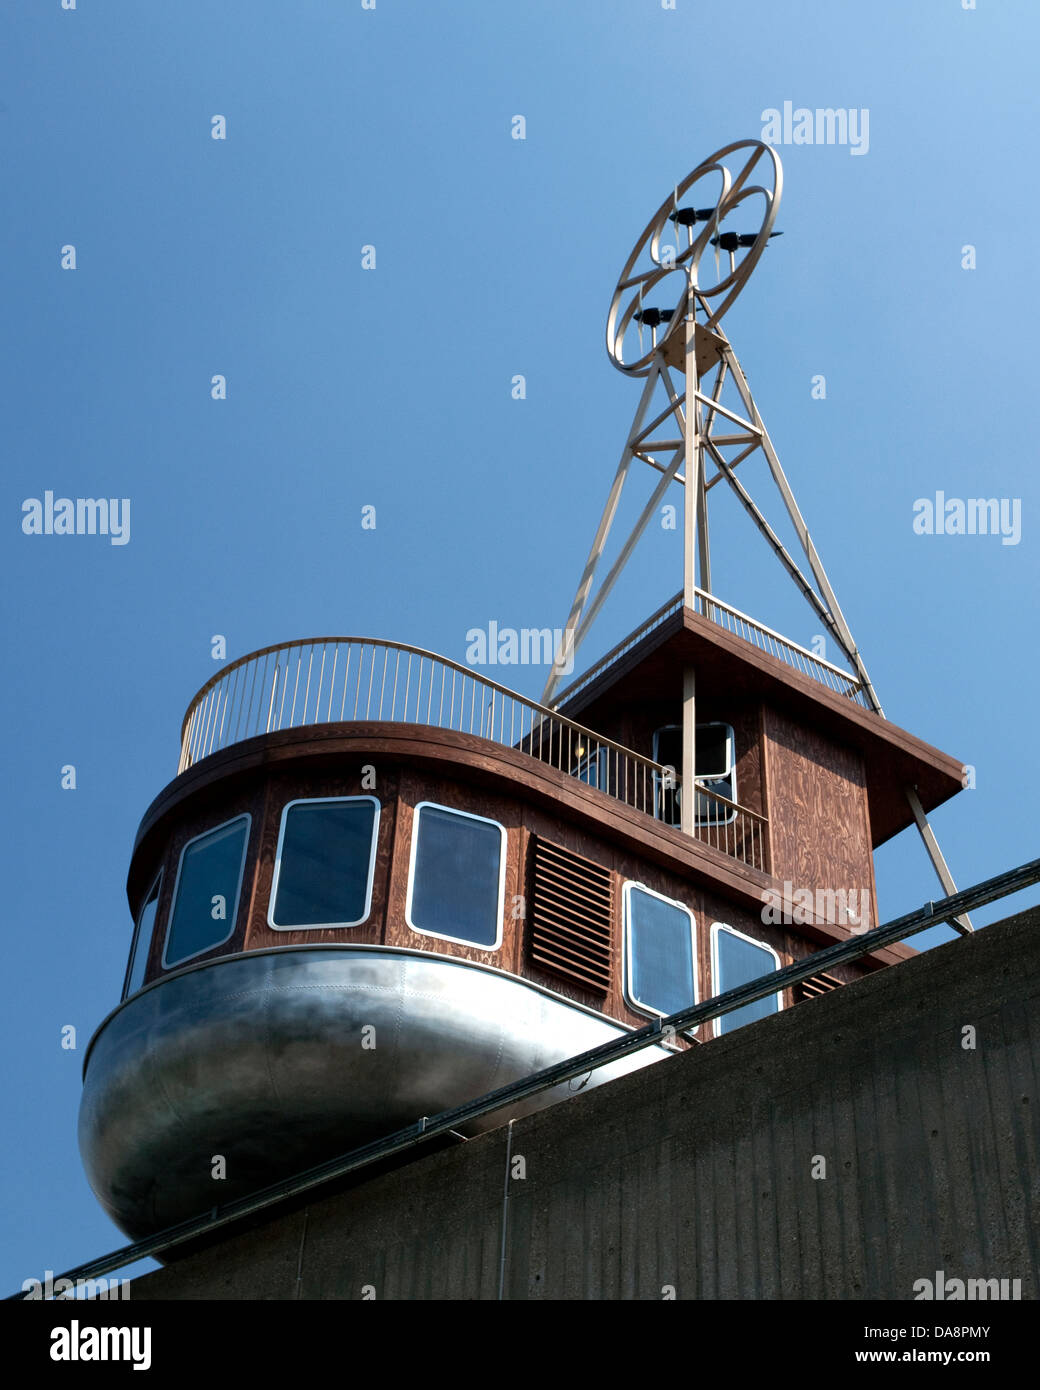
x,y
143,940
325,864
660,953
712,750
211,867
713,753
740,962
455,885
669,748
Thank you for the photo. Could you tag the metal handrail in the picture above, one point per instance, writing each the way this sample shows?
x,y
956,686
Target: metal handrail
x,y
324,680
741,625
775,644
467,672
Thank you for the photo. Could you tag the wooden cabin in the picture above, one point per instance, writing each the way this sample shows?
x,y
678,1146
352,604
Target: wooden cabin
x,y
382,884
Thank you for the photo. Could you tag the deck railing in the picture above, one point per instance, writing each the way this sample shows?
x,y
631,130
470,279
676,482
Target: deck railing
x,y
327,680
775,644
741,625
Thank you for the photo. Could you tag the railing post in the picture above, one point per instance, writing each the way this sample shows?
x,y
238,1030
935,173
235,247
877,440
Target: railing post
x,y
688,789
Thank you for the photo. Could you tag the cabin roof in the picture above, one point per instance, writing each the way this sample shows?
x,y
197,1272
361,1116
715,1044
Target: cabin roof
x,y
726,663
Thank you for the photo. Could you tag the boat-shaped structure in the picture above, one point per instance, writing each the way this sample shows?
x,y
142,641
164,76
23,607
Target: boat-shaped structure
x,y
383,884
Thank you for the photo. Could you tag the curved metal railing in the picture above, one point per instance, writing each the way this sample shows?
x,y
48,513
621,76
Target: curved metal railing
x,y
328,680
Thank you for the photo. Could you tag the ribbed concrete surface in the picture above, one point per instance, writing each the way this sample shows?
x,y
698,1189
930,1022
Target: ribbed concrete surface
x,y
697,1173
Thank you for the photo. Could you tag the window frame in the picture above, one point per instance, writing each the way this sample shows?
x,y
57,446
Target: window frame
x,y
731,775
233,915
647,1010
273,895
412,855
154,890
716,974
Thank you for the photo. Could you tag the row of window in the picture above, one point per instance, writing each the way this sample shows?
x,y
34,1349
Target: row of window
x,y
660,960
323,875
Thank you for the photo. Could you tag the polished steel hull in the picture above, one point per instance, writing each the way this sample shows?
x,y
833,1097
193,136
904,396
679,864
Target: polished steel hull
x,y
263,1059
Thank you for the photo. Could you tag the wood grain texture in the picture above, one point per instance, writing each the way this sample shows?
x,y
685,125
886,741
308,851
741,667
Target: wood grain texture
x,y
819,819
416,787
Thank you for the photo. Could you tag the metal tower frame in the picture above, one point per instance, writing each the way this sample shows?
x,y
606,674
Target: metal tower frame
x,y
683,430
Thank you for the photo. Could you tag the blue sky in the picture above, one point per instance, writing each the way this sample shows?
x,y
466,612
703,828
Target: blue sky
x,y
392,388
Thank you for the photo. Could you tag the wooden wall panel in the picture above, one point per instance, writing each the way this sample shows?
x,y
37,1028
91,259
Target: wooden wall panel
x,y
818,815
747,728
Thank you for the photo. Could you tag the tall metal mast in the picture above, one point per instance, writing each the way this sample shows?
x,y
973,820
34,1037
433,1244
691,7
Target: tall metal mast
x,y
696,421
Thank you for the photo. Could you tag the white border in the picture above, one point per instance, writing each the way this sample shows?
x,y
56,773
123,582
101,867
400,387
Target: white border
x,y
442,936
626,977
323,801
156,885
716,927
731,775
233,914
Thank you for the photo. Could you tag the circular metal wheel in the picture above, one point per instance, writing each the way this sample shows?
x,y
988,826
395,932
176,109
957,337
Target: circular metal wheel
x,y
649,301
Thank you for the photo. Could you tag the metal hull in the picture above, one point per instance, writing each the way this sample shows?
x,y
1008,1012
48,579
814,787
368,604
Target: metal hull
x,y
261,1059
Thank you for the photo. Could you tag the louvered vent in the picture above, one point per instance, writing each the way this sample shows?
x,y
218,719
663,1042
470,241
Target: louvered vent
x,y
572,908
817,985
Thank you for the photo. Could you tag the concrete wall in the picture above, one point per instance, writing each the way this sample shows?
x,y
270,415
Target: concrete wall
x,y
697,1173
